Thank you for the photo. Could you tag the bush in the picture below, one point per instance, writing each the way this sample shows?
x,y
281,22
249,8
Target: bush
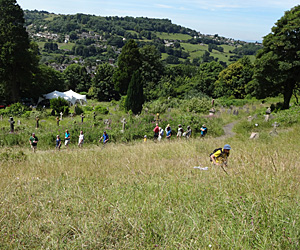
x,y
230,101
87,108
78,110
16,109
101,110
197,105
59,105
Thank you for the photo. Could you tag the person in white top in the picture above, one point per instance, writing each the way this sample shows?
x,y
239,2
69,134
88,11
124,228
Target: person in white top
x,y
81,139
161,133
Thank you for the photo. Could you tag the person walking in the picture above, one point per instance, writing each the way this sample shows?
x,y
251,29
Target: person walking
x,y
169,133
203,130
104,137
57,142
161,134
156,132
166,129
188,133
67,138
81,139
33,140
180,132
220,156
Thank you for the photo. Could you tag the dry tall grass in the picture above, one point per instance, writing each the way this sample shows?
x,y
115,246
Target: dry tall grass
x,y
148,195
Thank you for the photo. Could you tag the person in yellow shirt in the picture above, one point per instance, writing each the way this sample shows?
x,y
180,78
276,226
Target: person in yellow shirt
x,y
145,138
220,156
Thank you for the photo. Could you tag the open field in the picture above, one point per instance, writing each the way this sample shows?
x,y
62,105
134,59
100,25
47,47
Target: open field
x,y
62,46
173,36
148,195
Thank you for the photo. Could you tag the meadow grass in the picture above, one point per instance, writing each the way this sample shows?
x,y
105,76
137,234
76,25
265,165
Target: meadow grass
x,y
173,36
148,195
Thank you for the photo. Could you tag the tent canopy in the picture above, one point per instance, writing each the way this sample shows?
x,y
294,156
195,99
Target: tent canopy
x,y
69,95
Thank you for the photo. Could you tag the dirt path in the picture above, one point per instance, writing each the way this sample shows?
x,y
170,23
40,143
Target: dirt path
x,y
228,130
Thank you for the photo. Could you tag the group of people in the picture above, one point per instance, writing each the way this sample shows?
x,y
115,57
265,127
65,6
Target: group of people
x,y
218,157
159,132
33,140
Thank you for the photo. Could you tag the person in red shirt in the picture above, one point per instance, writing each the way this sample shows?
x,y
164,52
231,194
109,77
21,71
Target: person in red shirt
x,y
156,131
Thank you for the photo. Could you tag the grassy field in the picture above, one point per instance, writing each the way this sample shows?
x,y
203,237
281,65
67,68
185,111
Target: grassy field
x,y
172,36
62,46
148,196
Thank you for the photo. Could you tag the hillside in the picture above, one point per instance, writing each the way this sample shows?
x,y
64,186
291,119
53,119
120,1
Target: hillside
x,y
94,39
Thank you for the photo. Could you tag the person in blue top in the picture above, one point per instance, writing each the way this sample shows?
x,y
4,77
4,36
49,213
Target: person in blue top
x,y
67,138
58,142
104,137
203,130
169,133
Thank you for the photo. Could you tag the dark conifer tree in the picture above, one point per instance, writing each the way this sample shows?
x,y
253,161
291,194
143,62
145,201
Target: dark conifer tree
x,y
16,56
135,96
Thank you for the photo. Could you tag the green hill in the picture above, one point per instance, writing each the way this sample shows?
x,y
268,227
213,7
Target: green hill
x,y
101,38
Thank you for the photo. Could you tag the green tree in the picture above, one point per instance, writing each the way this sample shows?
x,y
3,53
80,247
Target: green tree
x,y
278,63
233,80
77,78
151,68
207,76
102,87
46,80
128,62
17,60
135,95
59,105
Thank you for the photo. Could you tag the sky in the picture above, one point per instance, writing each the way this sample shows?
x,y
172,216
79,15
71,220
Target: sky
x,y
247,20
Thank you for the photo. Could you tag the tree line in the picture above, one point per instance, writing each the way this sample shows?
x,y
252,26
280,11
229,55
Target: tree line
x,y
141,75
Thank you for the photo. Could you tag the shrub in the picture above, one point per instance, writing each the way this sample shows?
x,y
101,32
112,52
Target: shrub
x,y
78,110
197,105
101,110
87,108
16,109
59,105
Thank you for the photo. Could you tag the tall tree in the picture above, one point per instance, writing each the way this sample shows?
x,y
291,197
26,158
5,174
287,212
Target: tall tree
x,y
151,68
278,63
128,62
233,80
45,80
207,75
135,96
16,57
102,85
77,77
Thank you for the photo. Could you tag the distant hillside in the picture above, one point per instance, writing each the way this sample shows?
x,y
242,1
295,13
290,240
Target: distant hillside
x,y
94,39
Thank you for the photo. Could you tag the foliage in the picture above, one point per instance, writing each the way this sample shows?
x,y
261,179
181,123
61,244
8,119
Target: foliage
x,y
197,105
78,110
151,68
206,77
45,81
288,117
101,110
16,109
247,49
233,80
278,63
59,105
77,78
18,58
227,102
135,95
128,62
102,87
